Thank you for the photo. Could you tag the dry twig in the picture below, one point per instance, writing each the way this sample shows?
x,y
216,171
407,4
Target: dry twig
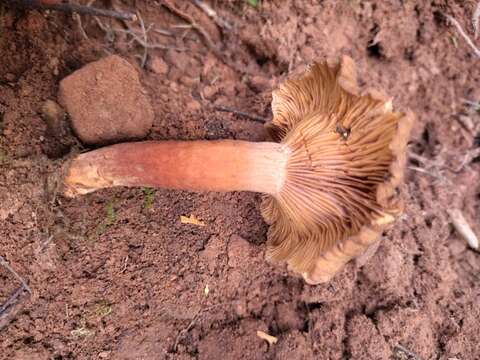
x,y
429,166
460,30
190,20
463,228
207,9
78,19
435,167
475,105
145,40
475,20
192,323
74,8
14,273
7,316
467,159
410,354
11,299
241,113
139,36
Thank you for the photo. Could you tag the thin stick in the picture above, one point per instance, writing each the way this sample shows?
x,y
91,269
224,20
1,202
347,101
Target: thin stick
x,y
241,113
6,316
19,278
207,9
163,32
75,8
476,19
475,105
468,158
411,355
469,41
190,326
143,32
208,41
419,158
11,299
145,39
427,172
463,228
182,332
78,19
142,42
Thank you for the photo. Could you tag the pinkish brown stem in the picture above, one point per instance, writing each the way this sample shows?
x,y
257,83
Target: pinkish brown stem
x,y
224,165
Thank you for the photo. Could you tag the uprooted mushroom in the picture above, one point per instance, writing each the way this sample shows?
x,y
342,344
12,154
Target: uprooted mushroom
x,y
331,175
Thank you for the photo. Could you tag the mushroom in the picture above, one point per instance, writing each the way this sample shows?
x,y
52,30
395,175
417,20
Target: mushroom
x,y
331,175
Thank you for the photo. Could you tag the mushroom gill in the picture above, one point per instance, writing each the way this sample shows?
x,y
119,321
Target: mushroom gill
x,y
341,187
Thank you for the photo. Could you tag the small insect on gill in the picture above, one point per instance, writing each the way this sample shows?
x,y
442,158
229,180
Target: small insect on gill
x,y
342,131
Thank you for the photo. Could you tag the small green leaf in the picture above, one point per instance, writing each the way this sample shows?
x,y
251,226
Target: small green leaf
x,y
111,215
253,3
149,195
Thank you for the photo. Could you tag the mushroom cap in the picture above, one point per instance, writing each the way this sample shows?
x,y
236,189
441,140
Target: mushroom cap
x,y
341,188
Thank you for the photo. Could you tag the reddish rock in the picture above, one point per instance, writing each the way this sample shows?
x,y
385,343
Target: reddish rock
x,y
106,102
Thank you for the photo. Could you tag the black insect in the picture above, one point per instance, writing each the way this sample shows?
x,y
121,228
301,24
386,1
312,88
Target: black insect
x,y
343,132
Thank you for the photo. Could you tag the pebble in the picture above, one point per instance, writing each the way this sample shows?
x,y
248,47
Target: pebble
x,y
209,91
106,102
194,105
158,65
104,354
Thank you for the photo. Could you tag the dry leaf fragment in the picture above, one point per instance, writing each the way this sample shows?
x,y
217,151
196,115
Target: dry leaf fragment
x,y
81,332
192,219
268,338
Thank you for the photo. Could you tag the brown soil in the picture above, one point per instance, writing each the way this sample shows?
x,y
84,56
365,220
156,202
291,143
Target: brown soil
x,y
116,275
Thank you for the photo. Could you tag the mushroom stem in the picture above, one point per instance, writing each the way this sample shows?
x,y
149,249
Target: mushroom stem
x,y
223,165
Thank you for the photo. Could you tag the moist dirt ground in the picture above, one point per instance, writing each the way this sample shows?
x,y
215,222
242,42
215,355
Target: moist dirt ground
x,y
117,275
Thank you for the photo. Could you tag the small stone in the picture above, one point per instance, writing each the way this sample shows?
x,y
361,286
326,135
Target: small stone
x,y
240,308
54,117
194,105
158,65
174,86
54,63
59,139
104,354
106,102
188,81
209,91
